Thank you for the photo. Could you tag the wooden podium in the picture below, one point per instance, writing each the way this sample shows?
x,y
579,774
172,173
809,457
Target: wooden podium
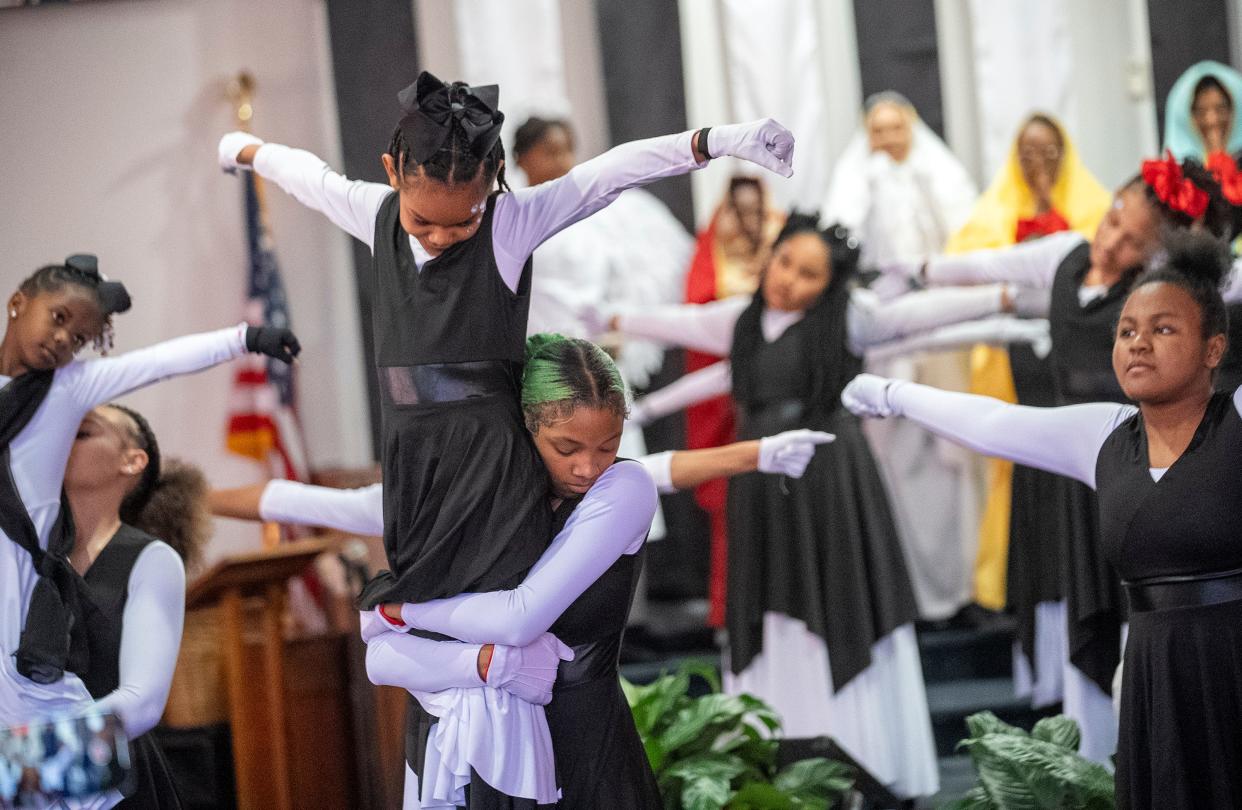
x,y
257,711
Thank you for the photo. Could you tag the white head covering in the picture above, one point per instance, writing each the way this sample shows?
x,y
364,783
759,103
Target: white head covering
x,y
899,210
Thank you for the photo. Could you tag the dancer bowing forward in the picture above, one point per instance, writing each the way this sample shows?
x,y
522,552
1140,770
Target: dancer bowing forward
x,y
1169,477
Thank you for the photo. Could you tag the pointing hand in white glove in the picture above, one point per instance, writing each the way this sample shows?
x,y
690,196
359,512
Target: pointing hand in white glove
x,y
788,453
764,142
528,672
868,395
230,147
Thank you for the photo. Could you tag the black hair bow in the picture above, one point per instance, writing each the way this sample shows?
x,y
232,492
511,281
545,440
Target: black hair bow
x,y
112,294
431,107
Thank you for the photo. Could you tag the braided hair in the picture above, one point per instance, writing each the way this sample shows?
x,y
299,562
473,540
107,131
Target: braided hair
x,y
81,271
455,160
563,374
827,360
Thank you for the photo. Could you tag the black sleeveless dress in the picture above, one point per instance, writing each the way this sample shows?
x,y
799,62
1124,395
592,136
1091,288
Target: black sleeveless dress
x,y
107,589
823,548
465,505
1181,717
600,760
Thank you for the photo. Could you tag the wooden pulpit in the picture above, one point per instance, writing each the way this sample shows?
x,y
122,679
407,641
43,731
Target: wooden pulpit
x,y
257,711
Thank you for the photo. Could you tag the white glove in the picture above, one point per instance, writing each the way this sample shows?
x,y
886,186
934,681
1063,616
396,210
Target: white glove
x,y
528,672
230,146
868,395
789,452
1029,302
638,414
764,142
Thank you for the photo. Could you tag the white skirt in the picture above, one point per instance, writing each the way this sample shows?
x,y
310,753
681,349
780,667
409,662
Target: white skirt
x,y
880,717
1056,679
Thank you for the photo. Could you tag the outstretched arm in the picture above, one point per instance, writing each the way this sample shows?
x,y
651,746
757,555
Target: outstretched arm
x,y
526,218
150,638
351,205
704,328
1030,264
612,519
870,322
999,330
698,386
1065,440
785,453
95,382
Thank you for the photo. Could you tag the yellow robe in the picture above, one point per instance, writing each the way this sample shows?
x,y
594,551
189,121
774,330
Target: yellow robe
x,y
1083,202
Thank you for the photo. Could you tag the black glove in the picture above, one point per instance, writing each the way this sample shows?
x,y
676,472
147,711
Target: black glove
x,y
273,341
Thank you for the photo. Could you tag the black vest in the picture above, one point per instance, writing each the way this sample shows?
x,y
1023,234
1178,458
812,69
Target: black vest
x,y
1082,337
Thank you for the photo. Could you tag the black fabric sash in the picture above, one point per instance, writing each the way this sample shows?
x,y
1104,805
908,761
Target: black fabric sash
x,y
53,640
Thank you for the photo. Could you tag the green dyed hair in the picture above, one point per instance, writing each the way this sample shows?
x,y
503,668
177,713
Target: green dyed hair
x,y
563,374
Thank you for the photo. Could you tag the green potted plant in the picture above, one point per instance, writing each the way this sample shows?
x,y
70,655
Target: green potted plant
x,y
1037,771
716,750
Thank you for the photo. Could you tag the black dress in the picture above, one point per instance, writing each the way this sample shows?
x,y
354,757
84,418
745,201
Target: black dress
x,y
464,490
107,589
823,548
600,760
1181,716
1082,368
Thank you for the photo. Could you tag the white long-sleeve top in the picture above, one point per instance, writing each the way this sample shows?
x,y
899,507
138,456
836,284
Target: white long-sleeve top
x,y
523,219
37,459
1064,440
151,626
870,322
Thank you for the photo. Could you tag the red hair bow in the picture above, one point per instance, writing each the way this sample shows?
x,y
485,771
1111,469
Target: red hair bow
x,y
1171,188
1223,168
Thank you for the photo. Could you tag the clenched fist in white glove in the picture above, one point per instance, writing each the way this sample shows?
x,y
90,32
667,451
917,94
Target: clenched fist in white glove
x,y
230,147
528,672
764,142
788,453
868,395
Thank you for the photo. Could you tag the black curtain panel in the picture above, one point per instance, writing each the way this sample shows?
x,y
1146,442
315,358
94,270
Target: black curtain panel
x,y
897,51
1183,33
374,55
640,44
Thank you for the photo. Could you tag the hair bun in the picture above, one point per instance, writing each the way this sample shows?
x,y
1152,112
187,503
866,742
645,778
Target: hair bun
x,y
1198,255
538,342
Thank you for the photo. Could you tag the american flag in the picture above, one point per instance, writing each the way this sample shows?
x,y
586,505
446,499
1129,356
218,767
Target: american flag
x,y
263,422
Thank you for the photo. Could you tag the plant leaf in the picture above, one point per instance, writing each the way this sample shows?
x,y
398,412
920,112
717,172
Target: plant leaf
x,y
693,722
1023,773
707,778
815,779
976,799
1059,730
983,723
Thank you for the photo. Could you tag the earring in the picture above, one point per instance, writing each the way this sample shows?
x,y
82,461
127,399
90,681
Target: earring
x,y
12,313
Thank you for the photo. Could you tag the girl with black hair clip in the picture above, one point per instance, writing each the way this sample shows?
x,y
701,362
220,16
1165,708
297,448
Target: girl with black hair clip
x,y
44,653
1067,598
1168,479
819,607
140,521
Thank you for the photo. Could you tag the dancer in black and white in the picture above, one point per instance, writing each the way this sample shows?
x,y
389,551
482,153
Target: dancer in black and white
x,y
44,649
827,546
1067,598
1167,477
